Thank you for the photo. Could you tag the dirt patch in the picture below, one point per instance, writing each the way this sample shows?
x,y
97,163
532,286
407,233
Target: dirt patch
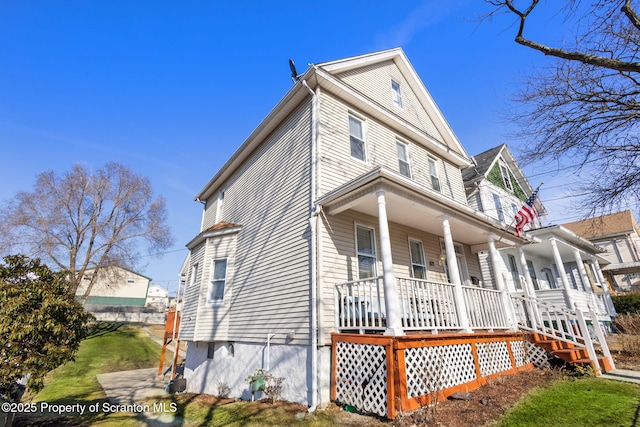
x,y
487,403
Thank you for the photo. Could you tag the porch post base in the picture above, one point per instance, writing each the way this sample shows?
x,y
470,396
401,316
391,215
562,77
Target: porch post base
x,y
397,332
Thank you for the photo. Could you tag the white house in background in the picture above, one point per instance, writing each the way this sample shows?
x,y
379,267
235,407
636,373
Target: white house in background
x,y
619,235
116,286
158,297
345,212
559,266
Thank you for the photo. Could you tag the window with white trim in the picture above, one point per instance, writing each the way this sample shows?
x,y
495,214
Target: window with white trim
x,y
515,273
356,138
435,176
498,203
403,158
418,264
366,252
505,177
194,274
218,278
396,90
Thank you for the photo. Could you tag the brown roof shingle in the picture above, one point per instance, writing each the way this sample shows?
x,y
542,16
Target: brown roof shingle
x,y
616,223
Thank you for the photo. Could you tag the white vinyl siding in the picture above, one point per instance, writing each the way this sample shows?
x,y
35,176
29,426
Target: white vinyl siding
x,y
334,153
373,80
269,195
191,297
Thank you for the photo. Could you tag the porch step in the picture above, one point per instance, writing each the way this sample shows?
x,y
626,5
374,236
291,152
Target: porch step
x,y
568,352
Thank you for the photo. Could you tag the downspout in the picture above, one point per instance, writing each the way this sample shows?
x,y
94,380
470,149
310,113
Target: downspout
x,y
313,223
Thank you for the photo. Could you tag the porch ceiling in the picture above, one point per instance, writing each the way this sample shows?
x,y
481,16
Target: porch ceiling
x,y
416,207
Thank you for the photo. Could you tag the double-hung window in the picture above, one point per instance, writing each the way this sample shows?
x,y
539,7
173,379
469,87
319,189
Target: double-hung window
x,y
435,176
498,203
356,137
215,292
397,93
194,275
418,265
366,251
403,159
505,177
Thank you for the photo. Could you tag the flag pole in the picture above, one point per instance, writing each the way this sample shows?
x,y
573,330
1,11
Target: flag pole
x,y
514,219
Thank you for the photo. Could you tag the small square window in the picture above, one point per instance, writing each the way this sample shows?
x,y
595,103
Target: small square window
x,y
397,93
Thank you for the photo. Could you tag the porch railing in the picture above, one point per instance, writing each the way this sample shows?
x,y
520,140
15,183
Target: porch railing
x,y
424,306
573,326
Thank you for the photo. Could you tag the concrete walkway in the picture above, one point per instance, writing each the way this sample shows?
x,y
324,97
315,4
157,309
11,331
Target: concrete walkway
x,y
129,387
622,375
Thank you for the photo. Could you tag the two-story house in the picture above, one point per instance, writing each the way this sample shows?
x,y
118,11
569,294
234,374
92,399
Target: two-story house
x,y
619,235
335,244
558,266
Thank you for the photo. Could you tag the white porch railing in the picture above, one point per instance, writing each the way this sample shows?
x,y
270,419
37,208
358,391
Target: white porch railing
x,y
583,300
573,326
424,306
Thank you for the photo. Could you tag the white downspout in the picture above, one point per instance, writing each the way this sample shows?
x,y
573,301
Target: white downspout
x,y
269,336
313,223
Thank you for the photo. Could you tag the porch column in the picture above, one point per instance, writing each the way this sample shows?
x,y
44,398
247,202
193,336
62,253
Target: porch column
x,y
583,273
500,285
528,289
611,310
563,274
392,302
454,275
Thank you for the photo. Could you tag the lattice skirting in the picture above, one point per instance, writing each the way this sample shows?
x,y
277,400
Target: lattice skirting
x,y
362,379
383,375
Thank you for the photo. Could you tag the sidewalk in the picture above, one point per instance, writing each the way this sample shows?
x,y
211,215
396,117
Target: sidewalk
x,y
622,375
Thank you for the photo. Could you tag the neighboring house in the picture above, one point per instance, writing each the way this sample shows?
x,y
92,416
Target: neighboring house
x,y
158,297
116,287
559,266
496,186
337,243
619,235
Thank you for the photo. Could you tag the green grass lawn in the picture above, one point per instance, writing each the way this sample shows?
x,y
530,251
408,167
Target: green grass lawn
x,y
117,347
110,347
586,402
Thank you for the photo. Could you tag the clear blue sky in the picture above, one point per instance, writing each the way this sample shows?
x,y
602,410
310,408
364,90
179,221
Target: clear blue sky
x,y
172,88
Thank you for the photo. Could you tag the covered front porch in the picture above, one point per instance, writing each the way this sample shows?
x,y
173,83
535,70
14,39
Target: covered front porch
x,y
398,288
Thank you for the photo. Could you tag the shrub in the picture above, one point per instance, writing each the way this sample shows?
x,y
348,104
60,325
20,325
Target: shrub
x,y
628,303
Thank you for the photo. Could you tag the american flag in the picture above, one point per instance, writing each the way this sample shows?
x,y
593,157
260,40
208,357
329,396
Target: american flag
x,y
527,212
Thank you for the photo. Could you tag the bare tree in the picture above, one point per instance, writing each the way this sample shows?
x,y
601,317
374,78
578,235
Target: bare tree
x,y
584,106
83,220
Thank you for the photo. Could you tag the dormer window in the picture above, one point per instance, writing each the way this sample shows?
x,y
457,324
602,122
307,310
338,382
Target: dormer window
x,y
397,93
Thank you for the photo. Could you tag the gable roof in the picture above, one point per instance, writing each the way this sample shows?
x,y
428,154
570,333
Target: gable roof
x,y
325,75
607,225
445,135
